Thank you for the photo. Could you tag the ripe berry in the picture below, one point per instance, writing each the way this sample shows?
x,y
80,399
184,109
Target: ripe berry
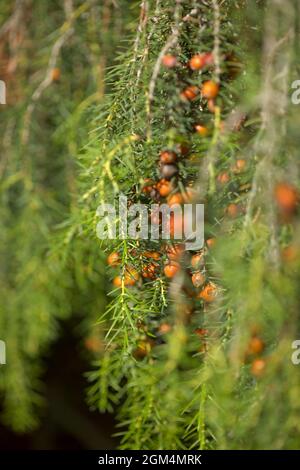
x,y
287,197
149,271
167,157
197,62
210,90
169,61
208,294
164,328
171,269
211,242
256,346
223,178
190,93
55,74
113,259
197,261
174,252
201,332
258,366
232,210
117,282
198,279
164,187
176,198
131,276
168,171
152,254
202,130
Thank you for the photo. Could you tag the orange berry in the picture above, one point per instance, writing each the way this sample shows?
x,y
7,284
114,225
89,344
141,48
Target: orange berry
x,y
223,178
232,210
290,254
210,90
197,260
211,242
176,198
190,93
164,328
169,61
240,164
113,259
197,62
55,74
287,197
256,346
164,187
117,282
174,252
171,269
208,294
149,271
152,254
93,344
258,366
131,276
201,332
167,157
202,130
198,279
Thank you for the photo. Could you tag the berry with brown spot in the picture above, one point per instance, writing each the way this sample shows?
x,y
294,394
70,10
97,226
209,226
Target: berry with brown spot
x,y
197,260
190,93
208,294
171,269
169,171
164,187
167,157
198,279
201,130
113,259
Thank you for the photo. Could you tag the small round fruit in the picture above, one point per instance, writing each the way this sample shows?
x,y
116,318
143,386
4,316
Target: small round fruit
x,y
169,61
210,90
152,255
198,279
240,164
117,282
190,93
149,271
258,367
164,187
211,242
164,328
287,197
131,276
197,62
167,157
171,269
197,260
256,346
201,130
55,74
113,259
174,252
223,178
201,332
232,210
174,199
208,294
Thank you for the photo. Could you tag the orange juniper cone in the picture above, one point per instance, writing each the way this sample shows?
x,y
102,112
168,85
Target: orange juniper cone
x,y
240,164
167,157
149,271
198,279
223,178
232,210
208,294
202,130
152,254
256,346
55,74
176,198
174,252
201,332
197,62
117,282
164,187
287,197
169,61
164,328
258,367
197,260
211,242
190,93
210,90
171,269
113,259
131,276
